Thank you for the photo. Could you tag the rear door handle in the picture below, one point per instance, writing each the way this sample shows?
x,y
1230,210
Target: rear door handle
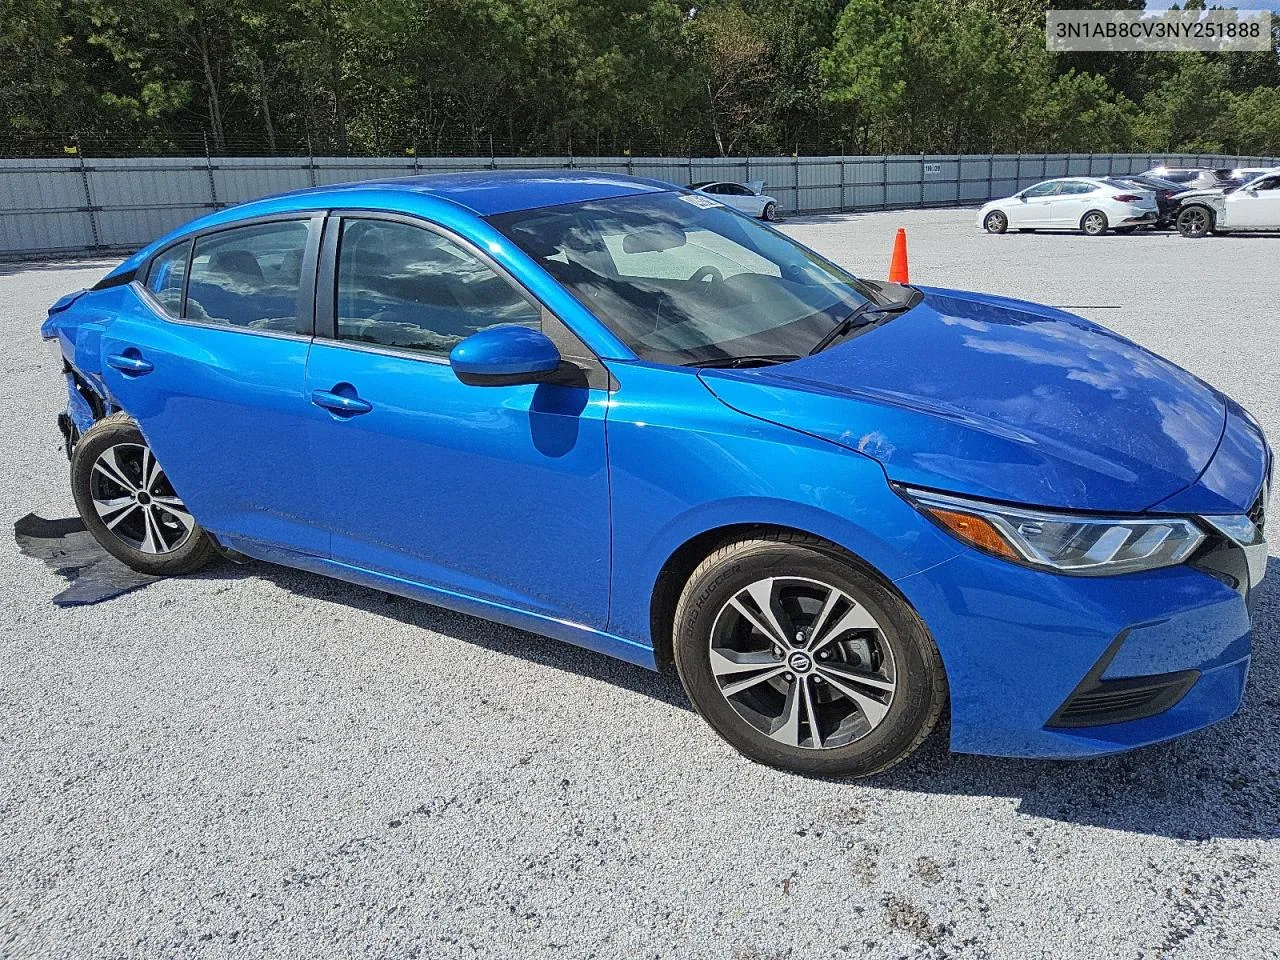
x,y
130,363
336,402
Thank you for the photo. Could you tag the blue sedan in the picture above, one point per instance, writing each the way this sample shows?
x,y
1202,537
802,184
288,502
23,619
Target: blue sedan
x,y
614,412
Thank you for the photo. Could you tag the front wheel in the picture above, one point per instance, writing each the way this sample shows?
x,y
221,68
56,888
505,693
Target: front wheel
x,y
1195,222
804,661
995,222
770,212
1093,223
127,503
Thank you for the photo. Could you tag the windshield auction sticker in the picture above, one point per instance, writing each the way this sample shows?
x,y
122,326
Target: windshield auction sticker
x,y
1218,30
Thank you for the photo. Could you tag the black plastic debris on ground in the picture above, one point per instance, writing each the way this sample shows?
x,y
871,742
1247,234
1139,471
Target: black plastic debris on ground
x,y
67,547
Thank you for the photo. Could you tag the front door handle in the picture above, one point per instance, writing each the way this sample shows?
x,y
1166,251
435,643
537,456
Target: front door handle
x,y
130,363
339,404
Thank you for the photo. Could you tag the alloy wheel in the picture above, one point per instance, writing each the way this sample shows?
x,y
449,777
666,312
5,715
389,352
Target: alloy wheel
x,y
802,662
996,222
1194,222
136,503
1094,224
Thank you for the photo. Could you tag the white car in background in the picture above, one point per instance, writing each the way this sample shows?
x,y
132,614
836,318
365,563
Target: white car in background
x,y
745,197
1089,204
1254,206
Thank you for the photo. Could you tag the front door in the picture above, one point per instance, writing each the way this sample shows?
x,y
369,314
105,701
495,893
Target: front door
x,y
1256,206
1032,207
496,493
209,355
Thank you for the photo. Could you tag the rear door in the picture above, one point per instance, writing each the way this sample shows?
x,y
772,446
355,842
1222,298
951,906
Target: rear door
x,y
496,493
209,357
1072,200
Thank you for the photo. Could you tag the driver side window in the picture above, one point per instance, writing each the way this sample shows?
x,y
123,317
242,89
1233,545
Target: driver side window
x,y
1041,190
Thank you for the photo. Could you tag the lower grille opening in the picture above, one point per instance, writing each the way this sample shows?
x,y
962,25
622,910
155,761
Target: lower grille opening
x,y
1097,702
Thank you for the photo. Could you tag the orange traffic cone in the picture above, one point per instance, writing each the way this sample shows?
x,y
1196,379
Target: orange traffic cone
x,y
898,265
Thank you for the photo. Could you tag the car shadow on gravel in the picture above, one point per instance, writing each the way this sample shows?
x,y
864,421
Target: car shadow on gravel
x,y
664,687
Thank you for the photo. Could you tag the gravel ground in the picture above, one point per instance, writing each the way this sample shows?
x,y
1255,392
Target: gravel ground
x,y
260,762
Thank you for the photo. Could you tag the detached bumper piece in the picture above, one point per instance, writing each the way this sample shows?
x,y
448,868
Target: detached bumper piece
x,y
1098,702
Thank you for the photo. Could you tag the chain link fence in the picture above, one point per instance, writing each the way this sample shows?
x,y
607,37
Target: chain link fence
x,y
76,205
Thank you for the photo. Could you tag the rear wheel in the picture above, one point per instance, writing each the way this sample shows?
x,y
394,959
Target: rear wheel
x,y
804,661
127,503
1093,223
1195,222
995,222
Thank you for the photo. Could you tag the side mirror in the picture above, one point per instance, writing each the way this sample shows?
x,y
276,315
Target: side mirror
x,y
1023,197
504,356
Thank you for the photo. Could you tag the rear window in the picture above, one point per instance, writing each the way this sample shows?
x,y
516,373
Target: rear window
x,y
248,276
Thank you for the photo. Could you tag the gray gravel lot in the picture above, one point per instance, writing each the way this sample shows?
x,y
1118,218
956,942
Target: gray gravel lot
x,y
260,762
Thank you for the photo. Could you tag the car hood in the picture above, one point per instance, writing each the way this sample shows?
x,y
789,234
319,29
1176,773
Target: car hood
x,y
1001,399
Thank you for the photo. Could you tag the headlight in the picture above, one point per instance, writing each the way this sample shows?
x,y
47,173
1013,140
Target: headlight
x,y
1064,542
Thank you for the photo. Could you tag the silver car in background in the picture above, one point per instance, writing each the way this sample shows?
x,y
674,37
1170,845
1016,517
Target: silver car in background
x,y
746,197
1089,204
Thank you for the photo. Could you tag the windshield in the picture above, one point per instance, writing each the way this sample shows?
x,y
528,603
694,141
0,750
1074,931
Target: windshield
x,y
680,279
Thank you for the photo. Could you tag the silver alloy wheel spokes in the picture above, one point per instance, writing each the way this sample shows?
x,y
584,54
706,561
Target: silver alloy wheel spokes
x,y
803,662
134,500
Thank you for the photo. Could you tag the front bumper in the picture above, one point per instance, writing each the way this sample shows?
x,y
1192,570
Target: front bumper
x,y
1020,646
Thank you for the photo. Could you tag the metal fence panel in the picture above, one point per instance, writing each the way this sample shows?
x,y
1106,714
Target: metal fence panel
x,y
74,204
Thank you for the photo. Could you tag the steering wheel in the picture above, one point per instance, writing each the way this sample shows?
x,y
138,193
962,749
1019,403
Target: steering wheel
x,y
706,273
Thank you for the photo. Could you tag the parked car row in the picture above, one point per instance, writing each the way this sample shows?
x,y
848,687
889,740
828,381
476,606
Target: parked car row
x,y
1195,201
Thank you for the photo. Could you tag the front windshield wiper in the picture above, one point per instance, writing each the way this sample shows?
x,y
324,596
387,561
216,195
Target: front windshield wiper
x,y
756,360
869,313
846,325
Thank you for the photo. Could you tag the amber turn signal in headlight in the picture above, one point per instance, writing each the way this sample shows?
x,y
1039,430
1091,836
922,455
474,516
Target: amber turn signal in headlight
x,y
1064,542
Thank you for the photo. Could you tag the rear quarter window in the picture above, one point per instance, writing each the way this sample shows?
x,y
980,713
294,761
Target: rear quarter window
x,y
166,276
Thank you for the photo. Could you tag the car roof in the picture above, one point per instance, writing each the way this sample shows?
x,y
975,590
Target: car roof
x,y
489,192
481,193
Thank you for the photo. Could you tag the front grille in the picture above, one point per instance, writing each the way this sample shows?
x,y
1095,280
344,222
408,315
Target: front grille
x,y
1098,702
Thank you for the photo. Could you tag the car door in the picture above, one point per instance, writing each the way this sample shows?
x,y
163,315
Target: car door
x,y
1073,199
209,357
1031,209
498,493
740,198
1256,205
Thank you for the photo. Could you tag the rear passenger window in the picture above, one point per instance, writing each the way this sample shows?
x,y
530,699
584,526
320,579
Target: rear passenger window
x,y
248,276
165,276
404,286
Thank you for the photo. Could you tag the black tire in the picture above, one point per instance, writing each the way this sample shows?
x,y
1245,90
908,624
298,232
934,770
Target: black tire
x,y
900,640
145,531
1093,223
770,212
1195,221
995,222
